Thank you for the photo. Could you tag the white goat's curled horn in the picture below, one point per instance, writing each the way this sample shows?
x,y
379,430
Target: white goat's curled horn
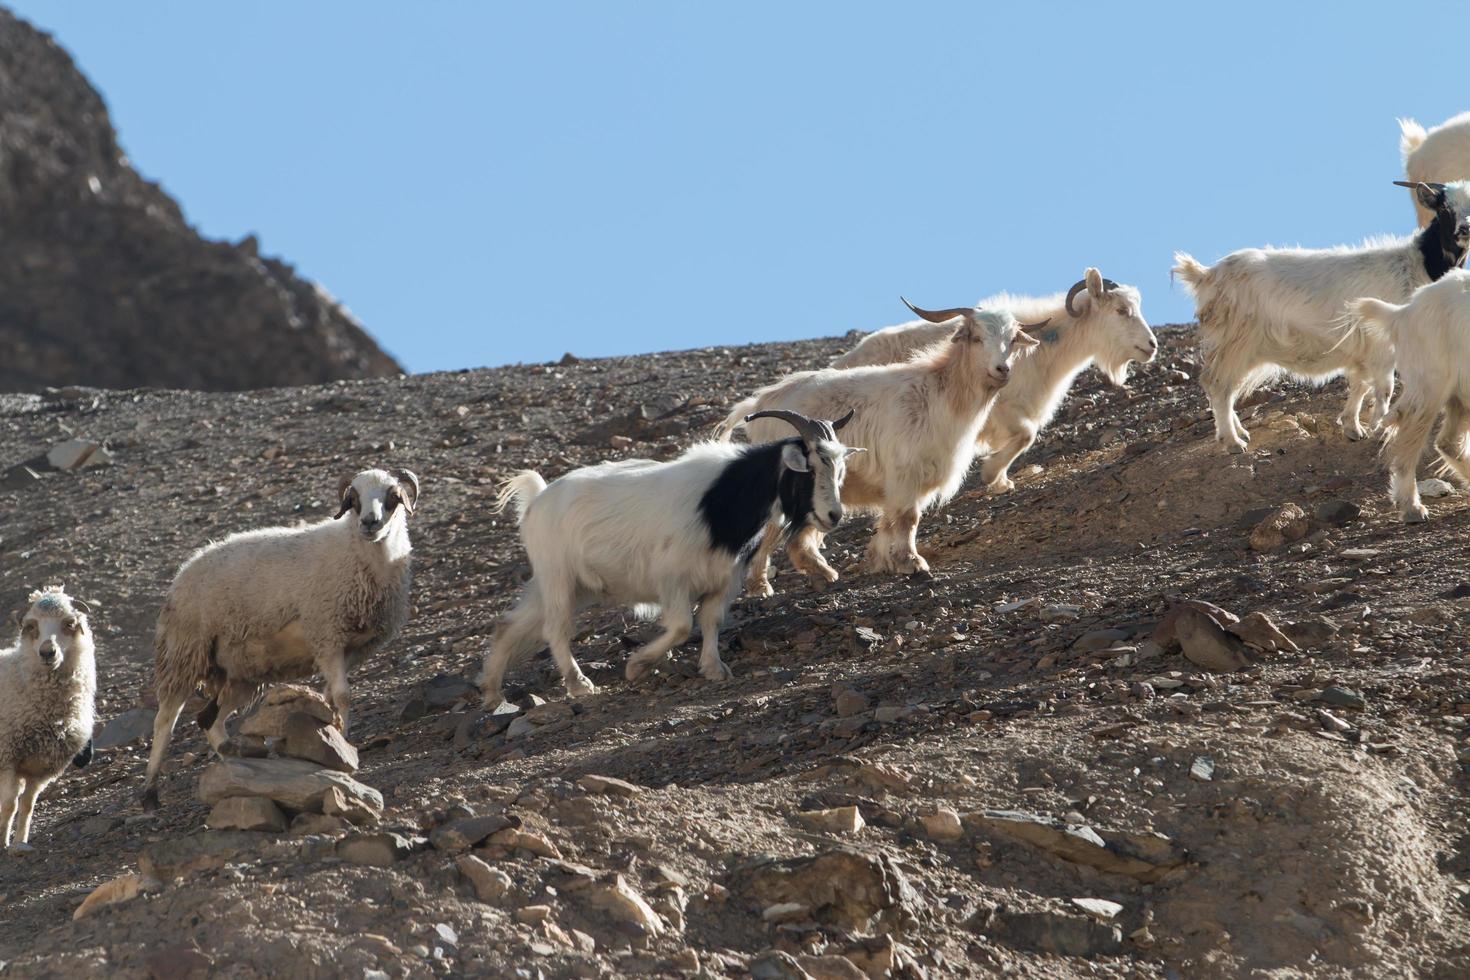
x,y
939,316
812,430
1078,286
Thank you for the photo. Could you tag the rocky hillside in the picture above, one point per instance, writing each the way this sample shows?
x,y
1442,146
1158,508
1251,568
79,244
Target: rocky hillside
x,y
1039,762
102,282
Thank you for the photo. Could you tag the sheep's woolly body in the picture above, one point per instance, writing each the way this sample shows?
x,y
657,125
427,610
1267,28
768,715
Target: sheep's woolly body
x,y
46,714
261,605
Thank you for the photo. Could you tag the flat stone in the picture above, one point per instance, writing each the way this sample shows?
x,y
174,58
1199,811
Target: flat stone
x,y
1058,933
359,811
1309,633
532,914
520,726
1336,512
444,690
1202,769
463,834
842,887
292,783
307,737
608,786
76,454
1206,645
382,850
512,838
839,820
246,813
1099,640
124,729
943,825
622,902
119,889
268,720
490,884
785,912
177,857
1165,634
1146,857
1434,488
318,824
1342,697
1258,631
849,702
1099,908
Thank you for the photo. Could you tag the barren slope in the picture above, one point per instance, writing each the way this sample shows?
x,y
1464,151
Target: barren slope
x,y
1309,851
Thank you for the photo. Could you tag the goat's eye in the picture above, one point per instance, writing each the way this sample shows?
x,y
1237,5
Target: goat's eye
x,y
30,629
70,626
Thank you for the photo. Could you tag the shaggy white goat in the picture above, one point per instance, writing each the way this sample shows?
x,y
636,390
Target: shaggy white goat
x,y
675,534
48,683
283,603
918,420
1429,334
1265,311
1441,154
1097,320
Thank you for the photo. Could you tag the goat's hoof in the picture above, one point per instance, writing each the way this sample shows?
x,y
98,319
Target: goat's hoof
x,y
1235,448
1001,485
1417,514
716,672
760,590
231,747
581,687
149,799
22,848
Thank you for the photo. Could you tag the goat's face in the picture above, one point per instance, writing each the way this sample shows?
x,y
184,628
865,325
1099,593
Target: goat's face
x,y
994,339
376,499
1123,332
1451,206
826,461
54,634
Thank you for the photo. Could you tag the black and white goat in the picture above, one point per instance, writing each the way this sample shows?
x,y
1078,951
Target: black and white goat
x,y
667,535
1264,311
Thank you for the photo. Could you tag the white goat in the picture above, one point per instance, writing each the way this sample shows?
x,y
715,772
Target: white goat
x,y
1096,320
1265,311
918,419
672,534
283,603
1429,334
1441,154
48,685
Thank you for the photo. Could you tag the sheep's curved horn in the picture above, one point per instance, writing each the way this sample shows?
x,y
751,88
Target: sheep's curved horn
x,y
1077,287
939,316
812,430
409,481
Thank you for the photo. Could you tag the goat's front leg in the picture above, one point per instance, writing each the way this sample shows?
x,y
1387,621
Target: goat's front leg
x,y
711,615
880,546
806,556
758,576
995,471
1351,418
906,532
678,624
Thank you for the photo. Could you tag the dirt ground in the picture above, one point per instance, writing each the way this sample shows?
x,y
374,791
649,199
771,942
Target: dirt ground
x,y
1303,817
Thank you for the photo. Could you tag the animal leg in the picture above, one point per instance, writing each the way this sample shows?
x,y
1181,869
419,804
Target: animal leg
x,y
906,530
1451,441
1351,419
28,796
711,615
1221,388
758,577
880,546
170,703
805,552
995,471
333,667
232,696
1382,398
557,623
678,624
1403,451
518,635
9,788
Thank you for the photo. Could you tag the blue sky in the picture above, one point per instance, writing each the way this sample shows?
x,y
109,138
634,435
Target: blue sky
x,y
486,183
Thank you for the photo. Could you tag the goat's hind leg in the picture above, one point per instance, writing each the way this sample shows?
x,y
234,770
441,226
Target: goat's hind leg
x,y
517,636
678,624
1403,450
1351,419
1451,443
170,703
10,783
1222,383
232,696
906,531
558,621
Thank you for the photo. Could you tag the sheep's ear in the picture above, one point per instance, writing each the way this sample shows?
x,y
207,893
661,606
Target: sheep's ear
x,y
344,496
408,486
1094,281
793,457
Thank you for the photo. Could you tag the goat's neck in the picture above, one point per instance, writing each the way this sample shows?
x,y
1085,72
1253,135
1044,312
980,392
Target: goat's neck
x,y
1438,257
967,388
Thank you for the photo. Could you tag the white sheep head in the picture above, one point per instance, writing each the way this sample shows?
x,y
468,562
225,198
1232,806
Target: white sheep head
x,y
54,634
377,499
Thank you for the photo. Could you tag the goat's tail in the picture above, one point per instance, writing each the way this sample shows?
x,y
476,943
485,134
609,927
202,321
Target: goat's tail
x,y
1375,317
735,419
1412,136
1188,268
520,489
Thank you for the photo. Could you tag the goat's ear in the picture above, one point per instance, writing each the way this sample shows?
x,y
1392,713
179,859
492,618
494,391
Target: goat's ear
x,y
1431,196
965,334
408,487
793,457
852,450
81,607
1024,340
344,496
1094,281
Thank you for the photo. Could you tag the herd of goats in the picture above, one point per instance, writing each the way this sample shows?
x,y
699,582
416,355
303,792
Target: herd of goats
x,y
890,428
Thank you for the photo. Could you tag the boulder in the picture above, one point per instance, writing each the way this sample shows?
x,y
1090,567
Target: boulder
x,y
307,737
268,720
843,887
294,784
1287,523
124,729
1146,857
381,850
1206,645
246,813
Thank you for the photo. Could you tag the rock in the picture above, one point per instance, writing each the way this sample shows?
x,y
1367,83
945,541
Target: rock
x,y
532,914
849,702
490,884
1358,554
1099,908
179,962
19,477
1165,634
76,454
1310,633
1258,631
1287,523
468,832
843,888
268,720
1057,933
1202,769
830,967
841,820
550,713
1206,645
315,824
943,824
246,813
177,857
1341,697
785,912
775,964
512,838
1336,512
622,903
381,850
292,783
443,691
306,737
519,726
1332,723
128,727
1099,640
1435,488
337,803
1059,612
119,889
608,786
1146,857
